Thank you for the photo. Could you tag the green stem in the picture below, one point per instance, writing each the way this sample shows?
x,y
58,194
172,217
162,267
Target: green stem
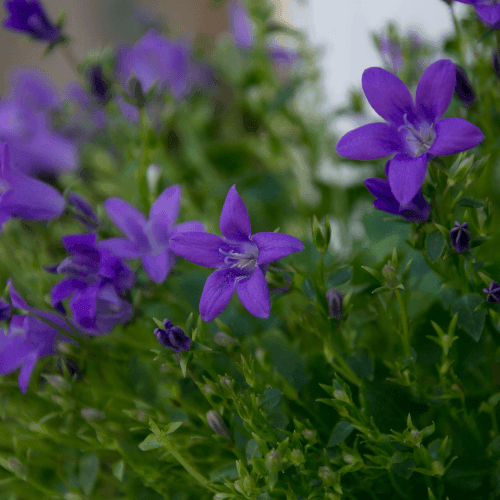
x,y
458,31
404,320
143,166
497,34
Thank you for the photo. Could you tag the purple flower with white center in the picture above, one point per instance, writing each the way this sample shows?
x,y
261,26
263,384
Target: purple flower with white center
x,y
83,212
460,237
463,87
28,339
488,11
173,337
95,278
493,292
241,260
29,16
414,131
148,239
23,197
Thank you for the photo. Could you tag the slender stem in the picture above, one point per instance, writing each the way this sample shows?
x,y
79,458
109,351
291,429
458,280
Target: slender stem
x,y
497,34
458,31
70,59
404,319
143,166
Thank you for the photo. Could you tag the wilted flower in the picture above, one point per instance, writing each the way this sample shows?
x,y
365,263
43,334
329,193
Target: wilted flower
x,y
488,11
463,87
493,292
241,259
414,130
460,237
148,239
334,300
173,337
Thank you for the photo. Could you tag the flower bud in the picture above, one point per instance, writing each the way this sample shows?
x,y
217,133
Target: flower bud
x,y
91,414
224,340
273,461
493,292
173,337
335,303
216,423
83,213
153,174
135,89
227,386
463,87
297,457
460,237
389,273
327,476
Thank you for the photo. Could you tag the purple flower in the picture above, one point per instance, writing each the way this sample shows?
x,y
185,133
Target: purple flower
x,y
100,86
173,337
417,210
95,278
391,53
414,130
241,260
493,292
28,339
463,87
240,25
460,237
5,310
23,197
83,211
488,11
29,16
148,239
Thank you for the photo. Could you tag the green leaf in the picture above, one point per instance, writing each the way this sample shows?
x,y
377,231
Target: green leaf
x,y
159,324
252,450
226,472
118,469
470,320
89,469
173,426
469,202
435,244
270,398
479,241
196,346
150,443
340,432
339,277
362,363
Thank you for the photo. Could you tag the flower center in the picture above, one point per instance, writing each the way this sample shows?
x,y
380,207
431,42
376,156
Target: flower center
x,y
419,141
244,258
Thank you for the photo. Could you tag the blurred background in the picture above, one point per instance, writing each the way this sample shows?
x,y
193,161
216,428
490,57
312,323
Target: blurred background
x,y
340,29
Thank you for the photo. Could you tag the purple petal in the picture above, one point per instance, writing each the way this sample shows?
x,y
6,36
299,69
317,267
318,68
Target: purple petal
x,y
240,25
16,299
13,346
378,187
158,266
127,218
217,293
64,289
34,90
26,370
406,176
83,306
121,247
165,210
387,95
370,142
489,15
275,246
200,248
435,89
80,243
234,218
189,227
254,294
454,135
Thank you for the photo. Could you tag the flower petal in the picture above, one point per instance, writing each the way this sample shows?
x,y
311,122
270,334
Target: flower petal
x,y
234,218
83,306
62,290
166,206
193,226
370,142
26,370
80,243
254,294
435,89
387,95
126,217
489,15
158,266
454,135
406,175
275,246
217,293
200,248
121,247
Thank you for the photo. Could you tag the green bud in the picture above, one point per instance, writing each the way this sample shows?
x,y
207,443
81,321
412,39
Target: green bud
x,y
437,468
327,476
58,383
224,340
389,273
136,92
321,234
309,435
91,414
273,461
297,457
216,423
227,387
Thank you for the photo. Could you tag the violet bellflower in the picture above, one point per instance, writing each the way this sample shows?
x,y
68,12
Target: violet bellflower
x,y
460,237
29,16
28,339
241,260
148,239
493,292
391,53
23,197
95,278
488,11
415,131
173,337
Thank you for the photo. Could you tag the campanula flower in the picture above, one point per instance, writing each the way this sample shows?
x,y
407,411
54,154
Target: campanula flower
x,y
28,339
173,337
460,237
415,131
463,87
488,11
148,239
29,16
95,279
241,259
493,292
24,197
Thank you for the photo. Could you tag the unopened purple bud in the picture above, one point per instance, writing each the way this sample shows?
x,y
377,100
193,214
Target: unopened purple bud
x,y
335,303
5,310
460,237
173,337
463,87
99,84
86,215
493,292
496,66
216,423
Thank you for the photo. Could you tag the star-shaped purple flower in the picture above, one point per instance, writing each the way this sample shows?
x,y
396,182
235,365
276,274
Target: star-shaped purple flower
x,y
493,292
414,131
460,237
241,259
487,10
29,16
172,337
148,239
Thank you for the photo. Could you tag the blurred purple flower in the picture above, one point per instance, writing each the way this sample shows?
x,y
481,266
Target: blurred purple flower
x,y
493,292
83,212
173,337
460,237
414,130
95,278
29,16
5,310
391,53
148,239
100,86
23,197
463,87
240,25
488,11
240,258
